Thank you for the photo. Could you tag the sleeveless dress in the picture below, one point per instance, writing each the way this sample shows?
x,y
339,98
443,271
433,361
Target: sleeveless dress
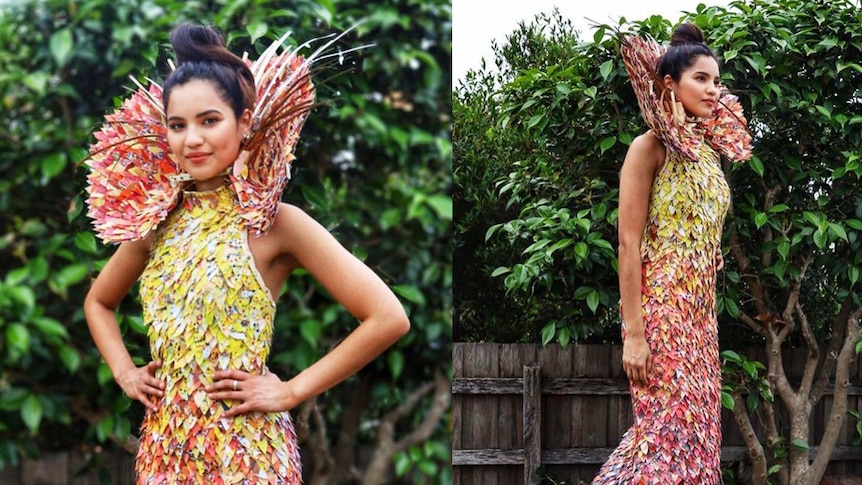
x,y
676,435
206,308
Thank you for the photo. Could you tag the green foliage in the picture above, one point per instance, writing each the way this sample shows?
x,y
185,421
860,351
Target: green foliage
x,y
373,166
540,141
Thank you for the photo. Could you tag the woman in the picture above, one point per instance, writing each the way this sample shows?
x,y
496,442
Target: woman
x,y
673,200
214,414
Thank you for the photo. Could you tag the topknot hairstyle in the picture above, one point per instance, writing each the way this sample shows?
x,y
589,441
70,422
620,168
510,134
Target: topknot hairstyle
x,y
201,54
686,44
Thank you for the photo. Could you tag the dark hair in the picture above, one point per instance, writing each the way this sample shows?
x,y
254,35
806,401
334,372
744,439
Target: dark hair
x,y
201,54
686,45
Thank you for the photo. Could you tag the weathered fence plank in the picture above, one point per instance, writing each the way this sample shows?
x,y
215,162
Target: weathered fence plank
x,y
584,409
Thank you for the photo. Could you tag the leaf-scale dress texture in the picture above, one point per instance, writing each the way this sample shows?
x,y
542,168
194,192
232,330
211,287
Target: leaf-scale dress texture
x,y
676,435
206,308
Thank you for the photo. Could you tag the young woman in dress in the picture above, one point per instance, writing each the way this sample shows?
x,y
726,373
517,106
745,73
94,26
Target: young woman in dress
x,y
673,201
214,414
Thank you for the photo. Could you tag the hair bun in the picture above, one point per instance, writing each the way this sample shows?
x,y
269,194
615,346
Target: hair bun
x,y
687,33
195,42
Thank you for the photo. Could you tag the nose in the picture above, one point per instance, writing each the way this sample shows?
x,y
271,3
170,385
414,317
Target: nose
x,y
193,137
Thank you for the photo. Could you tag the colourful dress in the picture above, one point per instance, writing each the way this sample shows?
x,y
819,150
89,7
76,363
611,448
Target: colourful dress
x,y
207,308
676,435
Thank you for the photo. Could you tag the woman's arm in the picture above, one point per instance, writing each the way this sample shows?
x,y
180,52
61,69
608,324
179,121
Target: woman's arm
x,y
111,286
355,286
644,158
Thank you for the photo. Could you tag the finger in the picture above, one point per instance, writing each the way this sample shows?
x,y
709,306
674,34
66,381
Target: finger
x,y
153,390
147,403
230,374
226,395
237,410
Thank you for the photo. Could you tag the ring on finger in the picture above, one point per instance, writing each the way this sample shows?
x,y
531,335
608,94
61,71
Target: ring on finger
x,y
234,384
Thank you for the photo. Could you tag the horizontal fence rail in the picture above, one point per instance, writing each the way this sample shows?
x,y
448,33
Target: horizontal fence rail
x,y
518,408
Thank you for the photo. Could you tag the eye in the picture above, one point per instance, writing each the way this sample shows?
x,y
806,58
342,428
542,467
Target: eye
x,y
175,126
210,121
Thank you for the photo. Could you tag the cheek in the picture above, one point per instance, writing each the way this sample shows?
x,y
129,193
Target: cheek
x,y
175,142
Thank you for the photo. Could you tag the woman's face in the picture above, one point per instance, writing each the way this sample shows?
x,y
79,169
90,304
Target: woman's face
x,y
203,132
697,88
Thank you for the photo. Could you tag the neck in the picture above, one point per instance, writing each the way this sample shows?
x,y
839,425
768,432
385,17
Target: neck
x,y
209,184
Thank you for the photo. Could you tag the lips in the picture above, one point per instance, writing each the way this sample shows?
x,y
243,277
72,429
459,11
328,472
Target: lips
x,y
197,157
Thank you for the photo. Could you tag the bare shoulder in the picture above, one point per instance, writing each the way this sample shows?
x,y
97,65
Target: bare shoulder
x,y
646,153
295,229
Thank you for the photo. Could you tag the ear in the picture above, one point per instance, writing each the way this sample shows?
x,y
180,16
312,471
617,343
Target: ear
x,y
244,121
668,81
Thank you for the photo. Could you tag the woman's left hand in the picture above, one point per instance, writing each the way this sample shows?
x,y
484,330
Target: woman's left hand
x,y
264,393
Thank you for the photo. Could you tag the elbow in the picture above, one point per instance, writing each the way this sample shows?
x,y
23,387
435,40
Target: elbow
x,y
400,324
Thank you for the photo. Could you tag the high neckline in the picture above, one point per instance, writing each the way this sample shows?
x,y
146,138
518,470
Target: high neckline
x,y
220,199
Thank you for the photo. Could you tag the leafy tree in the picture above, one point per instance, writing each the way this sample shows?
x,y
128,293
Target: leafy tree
x,y
562,113
373,166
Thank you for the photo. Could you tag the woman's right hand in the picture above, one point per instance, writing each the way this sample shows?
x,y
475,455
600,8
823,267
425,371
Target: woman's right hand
x,y
637,360
140,383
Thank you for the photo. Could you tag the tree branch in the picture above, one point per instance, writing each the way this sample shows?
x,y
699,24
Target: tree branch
x,y
768,201
830,359
755,449
839,401
813,353
387,447
752,324
82,409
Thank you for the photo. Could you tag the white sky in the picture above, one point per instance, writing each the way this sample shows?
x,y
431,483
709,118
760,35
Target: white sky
x,y
475,23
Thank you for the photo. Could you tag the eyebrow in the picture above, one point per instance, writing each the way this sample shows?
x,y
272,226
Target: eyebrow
x,y
199,115
706,74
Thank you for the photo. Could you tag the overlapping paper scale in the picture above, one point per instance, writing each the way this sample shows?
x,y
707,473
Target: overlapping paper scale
x,y
130,191
206,308
726,131
676,435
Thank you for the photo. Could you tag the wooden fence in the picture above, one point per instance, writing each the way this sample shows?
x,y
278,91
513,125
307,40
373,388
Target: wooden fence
x,y
518,407
72,468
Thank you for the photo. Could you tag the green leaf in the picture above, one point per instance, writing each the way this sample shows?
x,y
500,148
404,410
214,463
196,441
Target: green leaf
x,y
256,29
548,332
751,402
593,300
837,231
760,219
774,469
85,241
402,464
500,270
52,165
18,337
61,46
757,165
535,120
23,295
731,356
310,331
31,413
72,274
395,359
859,346
800,444
410,293
103,374
315,197
820,238
105,427
442,205
427,467
605,69
727,401
607,143
70,358
50,327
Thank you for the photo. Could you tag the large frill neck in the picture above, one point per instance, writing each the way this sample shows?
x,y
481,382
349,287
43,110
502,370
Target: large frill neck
x,y
221,200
